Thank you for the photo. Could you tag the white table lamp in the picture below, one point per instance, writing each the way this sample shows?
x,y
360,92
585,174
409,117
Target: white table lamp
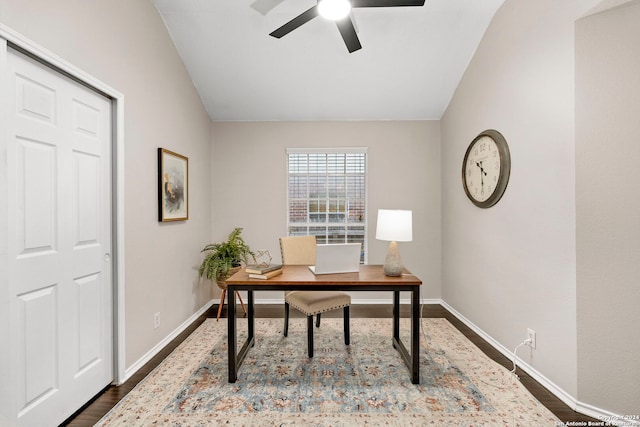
x,y
394,226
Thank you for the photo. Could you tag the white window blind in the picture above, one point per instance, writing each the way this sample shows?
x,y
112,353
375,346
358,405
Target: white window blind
x,y
327,195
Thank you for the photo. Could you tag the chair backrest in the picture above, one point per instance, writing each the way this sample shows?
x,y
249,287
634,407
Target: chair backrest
x,y
298,250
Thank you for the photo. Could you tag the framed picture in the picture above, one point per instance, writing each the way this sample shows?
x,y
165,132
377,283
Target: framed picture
x,y
173,186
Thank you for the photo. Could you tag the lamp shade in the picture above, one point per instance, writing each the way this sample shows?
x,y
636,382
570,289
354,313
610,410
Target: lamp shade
x,y
394,225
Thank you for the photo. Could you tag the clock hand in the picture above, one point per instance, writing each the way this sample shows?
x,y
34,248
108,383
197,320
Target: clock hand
x,y
483,173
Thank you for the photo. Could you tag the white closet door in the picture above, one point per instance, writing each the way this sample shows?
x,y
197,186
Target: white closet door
x,y
58,224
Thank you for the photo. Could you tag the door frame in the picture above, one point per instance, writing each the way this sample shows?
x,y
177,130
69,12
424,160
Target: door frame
x,y
30,48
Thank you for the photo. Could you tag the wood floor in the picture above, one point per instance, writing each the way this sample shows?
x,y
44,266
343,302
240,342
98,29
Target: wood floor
x,y
101,404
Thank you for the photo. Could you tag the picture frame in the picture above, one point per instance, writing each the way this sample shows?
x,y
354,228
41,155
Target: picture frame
x,y
173,186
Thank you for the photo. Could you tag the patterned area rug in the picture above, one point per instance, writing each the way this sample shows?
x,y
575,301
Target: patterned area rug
x,y
365,383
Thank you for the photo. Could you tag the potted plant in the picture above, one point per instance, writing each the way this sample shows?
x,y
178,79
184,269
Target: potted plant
x,y
223,259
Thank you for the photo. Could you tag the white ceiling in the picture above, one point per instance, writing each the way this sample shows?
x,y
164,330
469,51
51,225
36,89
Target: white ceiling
x,y
411,60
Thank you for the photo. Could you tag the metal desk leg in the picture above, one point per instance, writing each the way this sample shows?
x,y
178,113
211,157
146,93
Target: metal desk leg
x,y
251,318
415,335
396,317
231,332
236,359
412,360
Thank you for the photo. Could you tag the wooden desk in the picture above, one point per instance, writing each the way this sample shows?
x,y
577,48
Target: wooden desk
x,y
296,277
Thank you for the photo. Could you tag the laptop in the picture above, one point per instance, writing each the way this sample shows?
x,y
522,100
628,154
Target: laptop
x,y
340,258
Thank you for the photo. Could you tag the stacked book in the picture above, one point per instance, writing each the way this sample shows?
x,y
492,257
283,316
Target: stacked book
x,y
264,272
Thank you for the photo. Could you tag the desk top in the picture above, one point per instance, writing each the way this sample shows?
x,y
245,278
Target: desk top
x,y
301,275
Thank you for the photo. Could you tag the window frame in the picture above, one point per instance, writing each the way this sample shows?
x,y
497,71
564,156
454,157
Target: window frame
x,y
309,224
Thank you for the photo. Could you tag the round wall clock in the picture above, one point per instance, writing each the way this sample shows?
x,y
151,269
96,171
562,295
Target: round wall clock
x,y
486,168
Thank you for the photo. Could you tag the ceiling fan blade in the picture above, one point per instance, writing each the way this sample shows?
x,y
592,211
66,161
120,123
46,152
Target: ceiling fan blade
x,y
386,3
349,35
265,6
296,22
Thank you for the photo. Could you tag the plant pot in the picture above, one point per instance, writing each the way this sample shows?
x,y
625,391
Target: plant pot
x,y
222,283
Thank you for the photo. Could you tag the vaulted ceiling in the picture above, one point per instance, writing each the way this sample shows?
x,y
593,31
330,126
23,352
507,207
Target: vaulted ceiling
x,y
411,61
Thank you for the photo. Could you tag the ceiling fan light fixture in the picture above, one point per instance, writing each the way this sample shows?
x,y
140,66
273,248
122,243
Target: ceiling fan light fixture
x,y
334,10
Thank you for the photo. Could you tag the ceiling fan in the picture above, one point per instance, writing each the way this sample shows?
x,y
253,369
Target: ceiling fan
x,y
338,11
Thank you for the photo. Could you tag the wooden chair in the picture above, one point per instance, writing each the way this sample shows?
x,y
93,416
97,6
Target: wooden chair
x,y
301,250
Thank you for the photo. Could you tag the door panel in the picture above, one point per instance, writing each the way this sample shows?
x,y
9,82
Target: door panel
x,y
59,241
86,168
37,311
90,303
35,100
36,171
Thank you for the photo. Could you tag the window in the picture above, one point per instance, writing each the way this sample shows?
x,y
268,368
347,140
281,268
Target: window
x,y
327,195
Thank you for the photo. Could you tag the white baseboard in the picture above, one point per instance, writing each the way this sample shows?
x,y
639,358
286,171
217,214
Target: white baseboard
x,y
128,373
609,418
546,383
570,401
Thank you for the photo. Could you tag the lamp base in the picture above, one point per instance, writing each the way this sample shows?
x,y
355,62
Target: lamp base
x,y
392,263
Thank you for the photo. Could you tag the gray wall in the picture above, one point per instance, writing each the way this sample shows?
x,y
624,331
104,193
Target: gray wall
x,y
573,158
512,267
125,44
608,208
250,184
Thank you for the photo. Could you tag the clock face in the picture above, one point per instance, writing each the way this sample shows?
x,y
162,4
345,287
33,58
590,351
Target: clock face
x,y
486,168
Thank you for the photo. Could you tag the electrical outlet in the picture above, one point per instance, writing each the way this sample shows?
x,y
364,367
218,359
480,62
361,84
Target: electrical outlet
x,y
531,336
156,320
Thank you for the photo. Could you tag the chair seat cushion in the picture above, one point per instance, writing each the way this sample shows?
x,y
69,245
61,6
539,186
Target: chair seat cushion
x,y
314,302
